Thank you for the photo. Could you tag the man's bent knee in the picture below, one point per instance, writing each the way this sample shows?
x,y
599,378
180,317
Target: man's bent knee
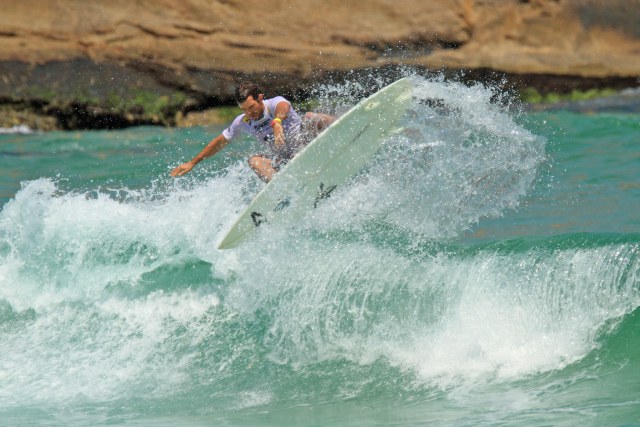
x,y
262,166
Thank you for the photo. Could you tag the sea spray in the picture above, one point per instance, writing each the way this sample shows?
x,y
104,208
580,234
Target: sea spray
x,y
460,158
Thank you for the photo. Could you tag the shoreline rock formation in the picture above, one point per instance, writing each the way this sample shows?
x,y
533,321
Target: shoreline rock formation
x,y
96,64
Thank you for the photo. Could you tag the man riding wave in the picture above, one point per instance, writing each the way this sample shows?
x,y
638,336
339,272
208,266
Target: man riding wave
x,y
272,121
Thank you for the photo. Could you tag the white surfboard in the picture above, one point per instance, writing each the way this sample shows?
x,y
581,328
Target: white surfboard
x,y
327,162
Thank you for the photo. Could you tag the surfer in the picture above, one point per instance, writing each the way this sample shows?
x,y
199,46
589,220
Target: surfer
x,y
272,121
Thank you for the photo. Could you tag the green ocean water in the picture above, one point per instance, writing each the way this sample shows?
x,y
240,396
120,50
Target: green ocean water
x,y
484,269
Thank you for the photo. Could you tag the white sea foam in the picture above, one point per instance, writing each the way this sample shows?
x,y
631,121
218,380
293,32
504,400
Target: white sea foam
x,y
450,321
17,129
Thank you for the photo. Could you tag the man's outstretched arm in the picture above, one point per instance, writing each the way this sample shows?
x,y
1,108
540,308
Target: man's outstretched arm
x,y
212,148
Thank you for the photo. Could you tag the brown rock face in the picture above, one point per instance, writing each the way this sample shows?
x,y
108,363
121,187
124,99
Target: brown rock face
x,y
122,60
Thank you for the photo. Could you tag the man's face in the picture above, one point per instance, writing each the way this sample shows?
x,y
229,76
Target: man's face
x,y
253,108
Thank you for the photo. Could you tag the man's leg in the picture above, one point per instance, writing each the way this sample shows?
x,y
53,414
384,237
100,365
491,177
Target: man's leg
x,y
317,122
263,167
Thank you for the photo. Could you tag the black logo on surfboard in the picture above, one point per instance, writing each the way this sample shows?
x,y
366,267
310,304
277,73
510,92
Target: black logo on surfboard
x,y
323,193
282,204
257,218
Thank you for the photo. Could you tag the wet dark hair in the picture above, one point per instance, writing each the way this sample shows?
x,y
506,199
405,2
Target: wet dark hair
x,y
245,90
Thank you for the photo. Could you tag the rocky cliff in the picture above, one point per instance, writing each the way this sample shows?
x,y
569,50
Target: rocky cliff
x,y
99,63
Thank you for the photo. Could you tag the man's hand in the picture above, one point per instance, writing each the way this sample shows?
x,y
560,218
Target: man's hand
x,y
182,169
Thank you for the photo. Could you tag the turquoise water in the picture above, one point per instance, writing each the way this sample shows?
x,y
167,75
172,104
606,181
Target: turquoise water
x,y
483,270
